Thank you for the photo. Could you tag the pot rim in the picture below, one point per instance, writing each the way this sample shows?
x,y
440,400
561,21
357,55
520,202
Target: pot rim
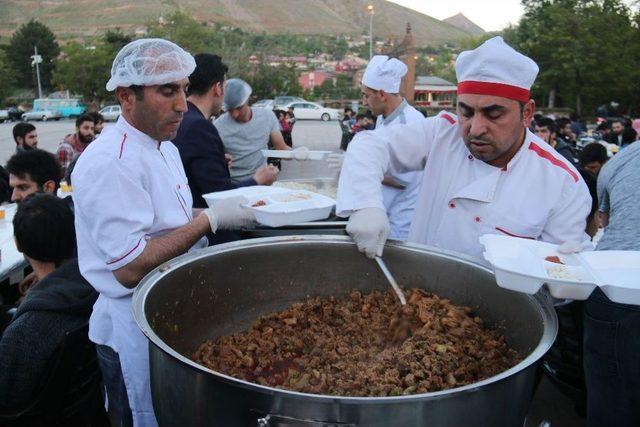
x,y
545,309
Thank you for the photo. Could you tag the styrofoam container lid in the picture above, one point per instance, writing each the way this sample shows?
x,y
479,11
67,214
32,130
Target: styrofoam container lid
x,y
522,265
288,154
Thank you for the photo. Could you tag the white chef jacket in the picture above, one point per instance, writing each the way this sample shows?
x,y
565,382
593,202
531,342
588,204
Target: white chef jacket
x,y
538,195
127,188
399,203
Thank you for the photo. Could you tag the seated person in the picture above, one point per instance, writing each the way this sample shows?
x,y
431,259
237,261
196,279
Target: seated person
x,y
33,171
25,136
545,129
592,157
60,302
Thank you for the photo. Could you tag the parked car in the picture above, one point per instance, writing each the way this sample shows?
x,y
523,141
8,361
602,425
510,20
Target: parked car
x,y
10,114
111,113
43,115
311,110
264,103
281,102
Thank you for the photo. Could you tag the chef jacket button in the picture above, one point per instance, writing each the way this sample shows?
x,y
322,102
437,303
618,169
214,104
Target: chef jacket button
x,y
470,157
477,219
452,205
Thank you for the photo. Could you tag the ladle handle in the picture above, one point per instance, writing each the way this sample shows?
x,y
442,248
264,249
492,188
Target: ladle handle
x,y
391,280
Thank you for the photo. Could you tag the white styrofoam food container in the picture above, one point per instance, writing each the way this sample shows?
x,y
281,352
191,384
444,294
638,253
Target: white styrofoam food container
x,y
282,206
288,154
520,265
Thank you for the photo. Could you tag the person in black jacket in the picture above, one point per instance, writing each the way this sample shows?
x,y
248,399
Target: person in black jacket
x,y
60,302
199,143
545,128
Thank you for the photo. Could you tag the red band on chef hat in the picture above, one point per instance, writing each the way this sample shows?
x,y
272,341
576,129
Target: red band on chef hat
x,y
495,68
496,89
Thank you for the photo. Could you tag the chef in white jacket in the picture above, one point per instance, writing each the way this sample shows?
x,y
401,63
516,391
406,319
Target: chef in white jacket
x,y
484,171
381,93
133,212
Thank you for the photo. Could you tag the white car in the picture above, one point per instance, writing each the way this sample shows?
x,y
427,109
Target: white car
x,y
312,111
43,115
111,113
264,103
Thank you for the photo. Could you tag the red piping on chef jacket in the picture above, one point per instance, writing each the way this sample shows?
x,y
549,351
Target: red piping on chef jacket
x,y
502,230
548,156
127,254
124,138
448,118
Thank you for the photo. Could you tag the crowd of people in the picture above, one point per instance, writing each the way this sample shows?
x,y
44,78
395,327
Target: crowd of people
x,y
186,130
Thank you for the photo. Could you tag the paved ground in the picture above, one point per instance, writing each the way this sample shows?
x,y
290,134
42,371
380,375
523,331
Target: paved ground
x,y
316,135
548,404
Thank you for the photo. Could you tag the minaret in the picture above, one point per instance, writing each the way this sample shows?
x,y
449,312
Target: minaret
x,y
409,80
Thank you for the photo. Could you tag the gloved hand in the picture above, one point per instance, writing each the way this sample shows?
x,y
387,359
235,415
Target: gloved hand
x,y
300,153
570,247
369,228
335,160
227,214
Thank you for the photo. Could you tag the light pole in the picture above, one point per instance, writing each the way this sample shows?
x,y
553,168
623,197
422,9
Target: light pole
x,y
371,11
36,60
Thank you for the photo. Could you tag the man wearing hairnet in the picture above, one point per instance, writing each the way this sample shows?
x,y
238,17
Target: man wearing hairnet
x,y
245,131
134,211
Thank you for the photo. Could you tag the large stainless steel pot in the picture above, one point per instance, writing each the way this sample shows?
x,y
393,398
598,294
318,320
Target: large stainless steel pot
x,y
221,290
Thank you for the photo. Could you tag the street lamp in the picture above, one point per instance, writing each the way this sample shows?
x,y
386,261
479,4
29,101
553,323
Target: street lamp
x,y
371,11
37,60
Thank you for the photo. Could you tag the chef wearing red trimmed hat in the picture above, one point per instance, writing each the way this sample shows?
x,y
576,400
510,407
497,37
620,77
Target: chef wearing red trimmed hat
x,y
484,171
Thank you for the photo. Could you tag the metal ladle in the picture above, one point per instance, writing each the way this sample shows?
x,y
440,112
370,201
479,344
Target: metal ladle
x,y
391,280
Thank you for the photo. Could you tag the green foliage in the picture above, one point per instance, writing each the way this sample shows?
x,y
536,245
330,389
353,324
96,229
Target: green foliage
x,y
587,51
20,50
85,70
6,78
268,82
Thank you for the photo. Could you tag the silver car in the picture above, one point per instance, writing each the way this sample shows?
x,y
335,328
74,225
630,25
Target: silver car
x,y
111,113
43,115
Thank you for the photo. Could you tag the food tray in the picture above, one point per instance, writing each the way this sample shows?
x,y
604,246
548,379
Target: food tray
x,y
288,154
281,206
522,265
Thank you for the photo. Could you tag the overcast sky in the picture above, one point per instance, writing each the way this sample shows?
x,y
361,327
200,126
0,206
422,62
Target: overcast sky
x,y
491,15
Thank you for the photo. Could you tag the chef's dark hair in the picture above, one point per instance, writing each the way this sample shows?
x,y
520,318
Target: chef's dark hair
x,y
37,165
209,70
44,230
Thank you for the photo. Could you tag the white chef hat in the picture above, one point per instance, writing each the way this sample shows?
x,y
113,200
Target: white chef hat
x,y
495,68
149,62
384,73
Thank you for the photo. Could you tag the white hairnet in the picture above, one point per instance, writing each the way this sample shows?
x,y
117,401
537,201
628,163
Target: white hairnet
x,y
236,93
149,62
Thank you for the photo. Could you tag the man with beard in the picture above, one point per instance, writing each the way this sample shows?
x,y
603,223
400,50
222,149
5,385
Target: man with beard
x,y
25,136
134,212
73,145
484,171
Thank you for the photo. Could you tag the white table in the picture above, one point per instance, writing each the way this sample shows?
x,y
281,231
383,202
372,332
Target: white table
x,y
11,261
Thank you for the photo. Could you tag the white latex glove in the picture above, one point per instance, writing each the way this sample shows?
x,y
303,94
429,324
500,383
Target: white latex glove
x,y
335,160
227,214
369,228
300,153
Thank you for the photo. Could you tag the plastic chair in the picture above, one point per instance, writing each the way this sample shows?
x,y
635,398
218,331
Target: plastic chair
x,y
72,394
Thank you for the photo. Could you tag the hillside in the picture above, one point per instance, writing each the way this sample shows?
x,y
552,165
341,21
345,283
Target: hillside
x,y
79,18
465,24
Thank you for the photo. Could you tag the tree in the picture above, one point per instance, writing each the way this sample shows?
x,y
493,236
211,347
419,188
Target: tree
x,y
6,77
85,70
581,49
20,50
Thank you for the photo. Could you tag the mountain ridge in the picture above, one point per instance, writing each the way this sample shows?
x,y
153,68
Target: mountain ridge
x,y
81,18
